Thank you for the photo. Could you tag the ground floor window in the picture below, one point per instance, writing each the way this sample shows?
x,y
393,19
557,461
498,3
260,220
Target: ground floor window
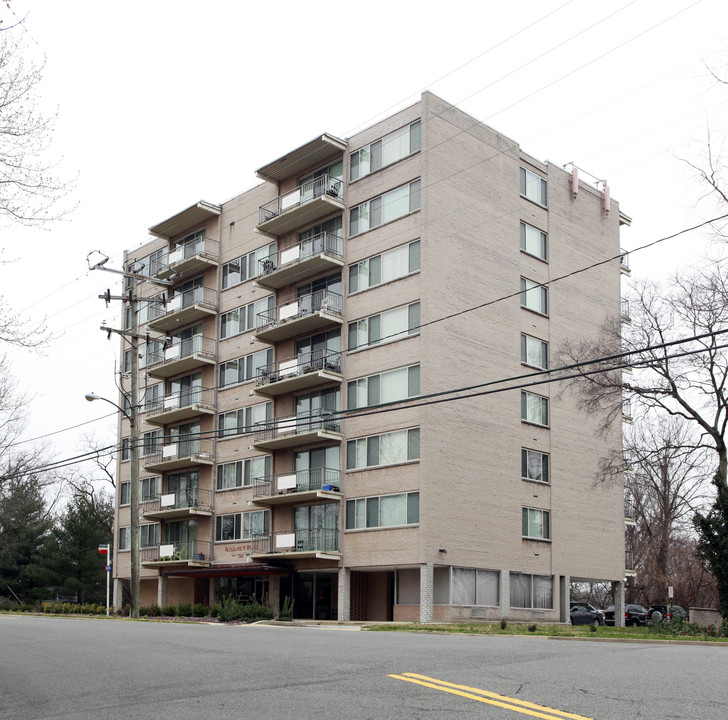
x,y
532,591
475,587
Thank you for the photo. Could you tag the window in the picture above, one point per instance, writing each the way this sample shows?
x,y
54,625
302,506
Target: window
x,y
124,538
533,241
383,209
245,368
475,587
127,361
149,488
153,396
534,352
124,493
383,511
386,449
534,409
386,387
245,267
534,296
243,319
151,443
533,187
243,472
242,422
532,591
125,448
241,526
389,149
328,227
384,268
388,326
534,465
149,535
535,524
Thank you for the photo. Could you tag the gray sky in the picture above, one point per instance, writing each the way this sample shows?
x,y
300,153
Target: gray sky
x,y
166,102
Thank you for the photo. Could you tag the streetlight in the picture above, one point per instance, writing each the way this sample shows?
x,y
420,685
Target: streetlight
x,y
134,490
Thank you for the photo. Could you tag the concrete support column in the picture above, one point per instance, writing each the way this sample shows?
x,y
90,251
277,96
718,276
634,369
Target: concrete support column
x,y
118,593
505,594
211,592
427,575
565,599
162,591
344,602
274,593
618,598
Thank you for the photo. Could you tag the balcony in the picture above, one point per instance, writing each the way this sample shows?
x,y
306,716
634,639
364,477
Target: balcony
x,y
300,429
626,411
320,543
180,504
182,453
629,567
181,406
305,205
322,484
183,552
306,370
624,262
180,357
309,257
629,512
188,259
185,308
306,314
624,311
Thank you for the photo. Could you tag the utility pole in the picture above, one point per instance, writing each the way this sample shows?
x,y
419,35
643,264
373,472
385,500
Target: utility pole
x,y
133,415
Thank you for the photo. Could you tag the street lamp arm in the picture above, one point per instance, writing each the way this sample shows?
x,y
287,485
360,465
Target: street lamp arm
x,y
93,396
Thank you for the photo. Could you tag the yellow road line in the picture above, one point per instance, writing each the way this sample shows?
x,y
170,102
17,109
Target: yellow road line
x,y
509,703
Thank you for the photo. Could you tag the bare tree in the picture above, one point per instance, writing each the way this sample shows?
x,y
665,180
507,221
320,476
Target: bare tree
x,y
30,189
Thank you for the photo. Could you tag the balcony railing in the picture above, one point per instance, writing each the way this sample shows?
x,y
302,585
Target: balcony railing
x,y
307,312
324,186
624,311
184,307
629,511
303,422
180,500
182,452
627,410
300,481
204,249
624,261
182,355
302,364
629,560
318,540
180,405
178,551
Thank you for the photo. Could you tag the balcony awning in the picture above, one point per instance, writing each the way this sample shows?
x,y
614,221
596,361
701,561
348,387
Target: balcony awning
x,y
186,220
239,570
312,153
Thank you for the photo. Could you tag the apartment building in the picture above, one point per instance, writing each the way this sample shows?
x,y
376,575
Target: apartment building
x,y
320,410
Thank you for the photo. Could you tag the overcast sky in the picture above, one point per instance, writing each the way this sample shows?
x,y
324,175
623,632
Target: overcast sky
x,y
166,102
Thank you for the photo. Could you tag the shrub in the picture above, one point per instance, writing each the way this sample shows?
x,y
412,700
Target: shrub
x,y
169,611
532,628
287,609
184,609
503,624
200,610
215,610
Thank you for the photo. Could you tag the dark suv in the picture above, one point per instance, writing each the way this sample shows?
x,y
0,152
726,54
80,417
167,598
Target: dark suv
x,y
582,613
633,615
668,612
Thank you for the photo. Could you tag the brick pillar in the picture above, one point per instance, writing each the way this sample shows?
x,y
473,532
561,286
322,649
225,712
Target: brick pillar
x,y
565,599
426,592
162,591
344,603
505,594
618,597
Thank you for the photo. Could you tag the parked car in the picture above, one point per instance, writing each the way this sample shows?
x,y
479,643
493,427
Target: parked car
x,y
582,613
633,615
668,612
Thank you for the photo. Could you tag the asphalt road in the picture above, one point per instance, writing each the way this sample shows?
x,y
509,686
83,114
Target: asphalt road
x,y
93,669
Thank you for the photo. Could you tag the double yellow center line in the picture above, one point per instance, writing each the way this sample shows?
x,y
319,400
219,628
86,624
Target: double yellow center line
x,y
508,703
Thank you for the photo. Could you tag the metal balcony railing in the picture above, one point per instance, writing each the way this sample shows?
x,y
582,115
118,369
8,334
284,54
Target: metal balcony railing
x,y
193,296
185,398
629,511
300,365
192,498
629,560
318,301
624,309
324,185
317,540
299,423
300,481
205,247
196,345
624,259
169,452
627,409
176,551
322,243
